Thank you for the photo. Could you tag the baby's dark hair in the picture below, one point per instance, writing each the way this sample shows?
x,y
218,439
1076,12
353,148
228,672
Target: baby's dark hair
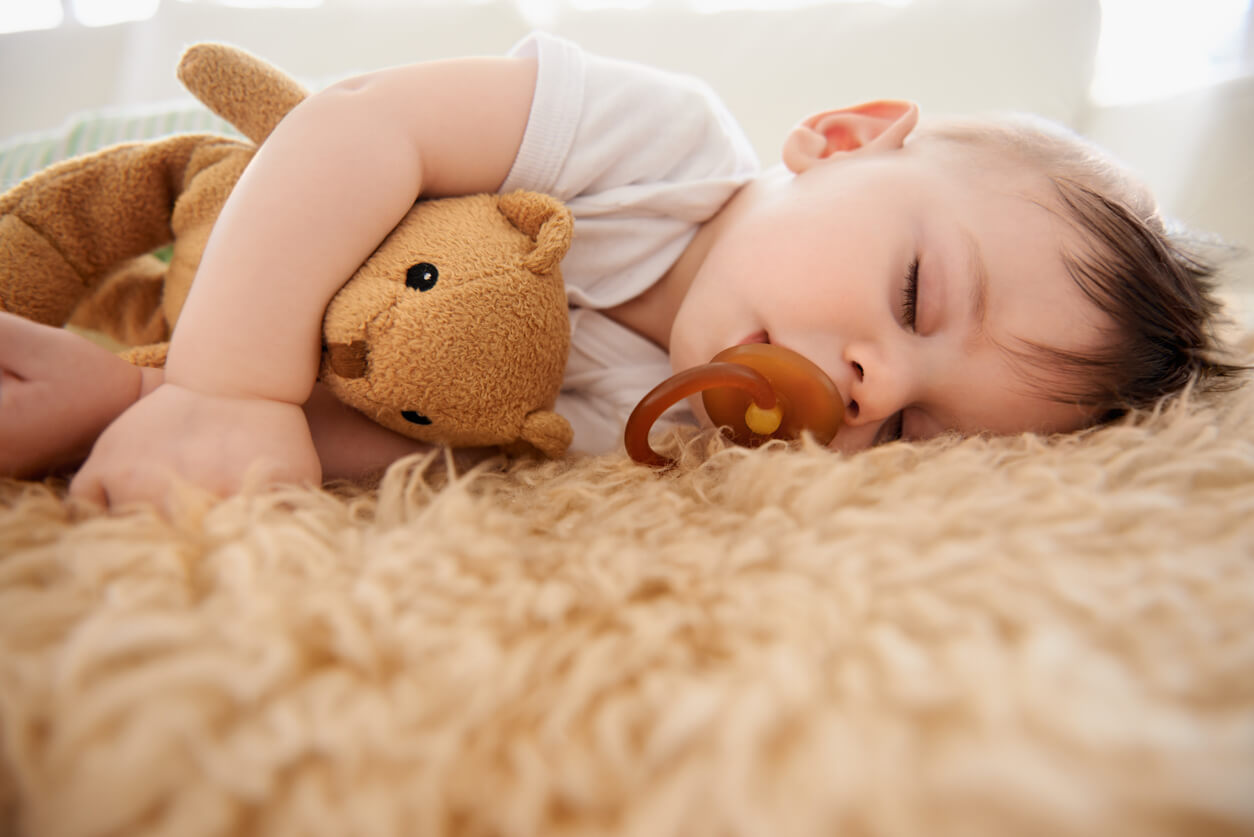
x,y
1156,285
1158,289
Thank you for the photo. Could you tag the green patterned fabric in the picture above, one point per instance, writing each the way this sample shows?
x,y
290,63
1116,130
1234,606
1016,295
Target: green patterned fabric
x,y
24,155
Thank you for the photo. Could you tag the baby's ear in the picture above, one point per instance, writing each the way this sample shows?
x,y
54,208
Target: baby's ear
x,y
879,125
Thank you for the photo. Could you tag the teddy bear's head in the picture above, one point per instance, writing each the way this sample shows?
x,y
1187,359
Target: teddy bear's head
x,y
459,311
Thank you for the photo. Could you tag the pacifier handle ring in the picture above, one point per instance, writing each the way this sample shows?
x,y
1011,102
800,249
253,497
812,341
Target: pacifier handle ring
x,y
719,374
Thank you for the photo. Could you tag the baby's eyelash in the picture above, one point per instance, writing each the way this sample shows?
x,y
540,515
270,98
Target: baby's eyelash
x,y
910,295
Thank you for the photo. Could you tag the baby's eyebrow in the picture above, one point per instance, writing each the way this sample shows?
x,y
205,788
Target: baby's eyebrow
x,y
978,272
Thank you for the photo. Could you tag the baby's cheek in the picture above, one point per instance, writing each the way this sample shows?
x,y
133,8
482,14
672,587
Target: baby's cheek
x,y
688,333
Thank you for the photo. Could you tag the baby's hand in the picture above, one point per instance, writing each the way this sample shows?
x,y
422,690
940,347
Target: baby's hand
x,y
212,441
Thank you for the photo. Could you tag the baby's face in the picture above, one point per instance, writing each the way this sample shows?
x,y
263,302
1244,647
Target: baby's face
x,y
824,263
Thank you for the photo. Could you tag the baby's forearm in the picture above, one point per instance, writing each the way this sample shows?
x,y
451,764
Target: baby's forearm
x,y
323,191
313,204
351,446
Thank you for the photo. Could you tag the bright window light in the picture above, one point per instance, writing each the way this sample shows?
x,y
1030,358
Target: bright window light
x,y
263,4
712,6
29,14
543,13
106,12
1155,48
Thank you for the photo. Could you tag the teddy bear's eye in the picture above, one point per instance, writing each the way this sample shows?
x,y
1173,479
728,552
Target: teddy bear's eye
x,y
422,276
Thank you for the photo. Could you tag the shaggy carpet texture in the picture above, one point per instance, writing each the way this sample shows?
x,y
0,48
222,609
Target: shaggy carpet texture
x,y
982,637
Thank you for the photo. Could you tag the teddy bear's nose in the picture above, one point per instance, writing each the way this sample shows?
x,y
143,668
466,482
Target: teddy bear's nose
x,y
348,360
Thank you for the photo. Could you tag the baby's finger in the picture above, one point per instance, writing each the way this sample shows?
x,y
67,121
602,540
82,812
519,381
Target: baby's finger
x,y
88,486
24,345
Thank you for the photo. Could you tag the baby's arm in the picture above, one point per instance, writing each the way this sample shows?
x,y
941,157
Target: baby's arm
x,y
324,189
59,391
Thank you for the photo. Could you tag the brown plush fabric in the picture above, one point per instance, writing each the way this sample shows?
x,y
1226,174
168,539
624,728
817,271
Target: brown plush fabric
x,y
479,354
241,88
63,230
983,637
126,306
68,234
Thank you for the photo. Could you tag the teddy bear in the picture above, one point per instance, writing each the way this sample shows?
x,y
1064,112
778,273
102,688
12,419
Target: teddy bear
x,y
455,331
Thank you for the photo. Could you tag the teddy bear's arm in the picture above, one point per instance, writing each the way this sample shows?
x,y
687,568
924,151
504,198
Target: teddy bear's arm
x,y
251,94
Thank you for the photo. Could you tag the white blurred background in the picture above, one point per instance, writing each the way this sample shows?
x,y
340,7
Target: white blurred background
x,y
1167,85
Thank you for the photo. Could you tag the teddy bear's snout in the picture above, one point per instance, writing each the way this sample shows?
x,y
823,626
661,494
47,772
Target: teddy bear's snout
x,y
349,360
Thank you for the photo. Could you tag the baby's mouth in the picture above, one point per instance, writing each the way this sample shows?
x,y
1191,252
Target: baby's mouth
x,y
851,406
756,337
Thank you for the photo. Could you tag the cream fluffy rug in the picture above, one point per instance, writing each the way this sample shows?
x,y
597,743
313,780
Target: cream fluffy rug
x,y
1006,637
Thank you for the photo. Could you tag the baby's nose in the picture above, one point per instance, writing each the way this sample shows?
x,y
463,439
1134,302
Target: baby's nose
x,y
851,404
874,393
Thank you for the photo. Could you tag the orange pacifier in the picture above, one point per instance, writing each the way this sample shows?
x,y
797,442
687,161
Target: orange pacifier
x,y
755,392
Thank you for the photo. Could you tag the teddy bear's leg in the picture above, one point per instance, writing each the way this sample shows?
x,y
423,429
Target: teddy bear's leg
x,y
127,305
64,229
58,392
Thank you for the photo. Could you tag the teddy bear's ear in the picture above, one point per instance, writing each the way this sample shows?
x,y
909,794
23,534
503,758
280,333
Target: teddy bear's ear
x,y
546,220
547,432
